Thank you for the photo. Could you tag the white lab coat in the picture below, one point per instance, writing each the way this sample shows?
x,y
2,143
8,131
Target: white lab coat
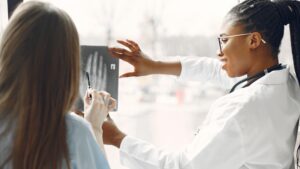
x,y
253,127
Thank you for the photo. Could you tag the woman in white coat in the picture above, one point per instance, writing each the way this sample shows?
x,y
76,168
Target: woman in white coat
x,y
255,125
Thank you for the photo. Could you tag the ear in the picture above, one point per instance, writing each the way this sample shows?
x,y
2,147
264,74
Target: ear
x,y
255,40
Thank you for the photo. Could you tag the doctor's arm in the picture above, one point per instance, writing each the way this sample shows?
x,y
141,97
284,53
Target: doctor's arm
x,y
199,69
143,65
214,147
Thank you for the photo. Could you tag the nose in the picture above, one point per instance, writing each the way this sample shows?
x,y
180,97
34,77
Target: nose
x,y
219,53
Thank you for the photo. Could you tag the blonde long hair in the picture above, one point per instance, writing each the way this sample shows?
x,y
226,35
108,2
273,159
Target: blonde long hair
x,y
39,80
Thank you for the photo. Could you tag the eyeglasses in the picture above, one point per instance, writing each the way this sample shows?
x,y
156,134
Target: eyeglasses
x,y
222,39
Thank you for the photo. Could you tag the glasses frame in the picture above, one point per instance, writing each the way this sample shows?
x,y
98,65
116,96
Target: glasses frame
x,y
232,36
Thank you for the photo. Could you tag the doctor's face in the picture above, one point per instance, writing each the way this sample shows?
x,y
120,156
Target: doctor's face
x,y
234,50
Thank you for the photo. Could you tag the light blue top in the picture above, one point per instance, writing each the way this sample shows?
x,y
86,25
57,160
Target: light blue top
x,y
85,153
84,150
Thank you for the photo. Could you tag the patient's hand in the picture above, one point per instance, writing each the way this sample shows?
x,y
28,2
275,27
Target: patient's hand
x,y
96,107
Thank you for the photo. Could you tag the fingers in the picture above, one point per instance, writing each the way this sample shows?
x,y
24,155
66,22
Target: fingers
x,y
88,64
91,95
136,46
88,95
109,102
105,97
121,51
121,54
112,104
132,46
94,65
128,74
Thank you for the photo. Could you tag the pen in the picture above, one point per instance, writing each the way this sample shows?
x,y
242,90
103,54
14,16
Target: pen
x,y
88,79
89,83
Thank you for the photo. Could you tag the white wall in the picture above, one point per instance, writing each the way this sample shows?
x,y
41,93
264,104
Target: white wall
x,y
3,15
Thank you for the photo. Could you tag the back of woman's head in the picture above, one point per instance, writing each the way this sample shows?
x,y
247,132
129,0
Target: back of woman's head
x,y
268,18
39,78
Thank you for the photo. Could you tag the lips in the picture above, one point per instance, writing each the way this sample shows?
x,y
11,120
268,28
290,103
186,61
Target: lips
x,y
223,60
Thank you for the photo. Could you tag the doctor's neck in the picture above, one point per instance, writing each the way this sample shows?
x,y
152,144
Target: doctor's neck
x,y
262,61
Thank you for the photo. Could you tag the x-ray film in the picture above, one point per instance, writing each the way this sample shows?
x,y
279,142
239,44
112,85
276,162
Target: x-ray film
x,y
103,70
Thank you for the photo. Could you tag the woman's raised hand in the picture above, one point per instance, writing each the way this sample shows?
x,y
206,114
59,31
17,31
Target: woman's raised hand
x,y
142,64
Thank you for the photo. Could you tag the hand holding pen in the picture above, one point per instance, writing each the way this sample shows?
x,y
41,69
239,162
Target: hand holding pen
x,y
97,104
110,102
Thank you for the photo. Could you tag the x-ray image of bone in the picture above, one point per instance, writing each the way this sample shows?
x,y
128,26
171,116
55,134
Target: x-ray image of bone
x,y
103,70
97,71
97,75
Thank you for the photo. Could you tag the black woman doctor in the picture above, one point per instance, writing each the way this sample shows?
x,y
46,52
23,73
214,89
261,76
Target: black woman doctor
x,y
252,127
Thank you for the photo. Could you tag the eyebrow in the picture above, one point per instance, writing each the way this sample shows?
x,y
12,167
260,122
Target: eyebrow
x,y
223,34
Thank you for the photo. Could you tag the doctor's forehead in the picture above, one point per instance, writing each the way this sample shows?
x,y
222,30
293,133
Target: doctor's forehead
x,y
230,28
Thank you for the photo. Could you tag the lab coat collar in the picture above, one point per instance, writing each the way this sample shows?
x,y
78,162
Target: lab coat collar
x,y
275,77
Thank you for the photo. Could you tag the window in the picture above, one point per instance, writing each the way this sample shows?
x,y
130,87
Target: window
x,y
155,108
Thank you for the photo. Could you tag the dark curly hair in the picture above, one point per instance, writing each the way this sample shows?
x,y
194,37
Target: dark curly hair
x,y
268,18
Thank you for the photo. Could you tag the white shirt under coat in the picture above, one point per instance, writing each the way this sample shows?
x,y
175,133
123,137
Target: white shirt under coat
x,y
252,128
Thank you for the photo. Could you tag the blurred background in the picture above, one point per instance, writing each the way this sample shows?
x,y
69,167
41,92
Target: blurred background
x,y
159,109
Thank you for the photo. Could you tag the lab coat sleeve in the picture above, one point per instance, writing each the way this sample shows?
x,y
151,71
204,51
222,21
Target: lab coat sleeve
x,y
216,146
204,69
